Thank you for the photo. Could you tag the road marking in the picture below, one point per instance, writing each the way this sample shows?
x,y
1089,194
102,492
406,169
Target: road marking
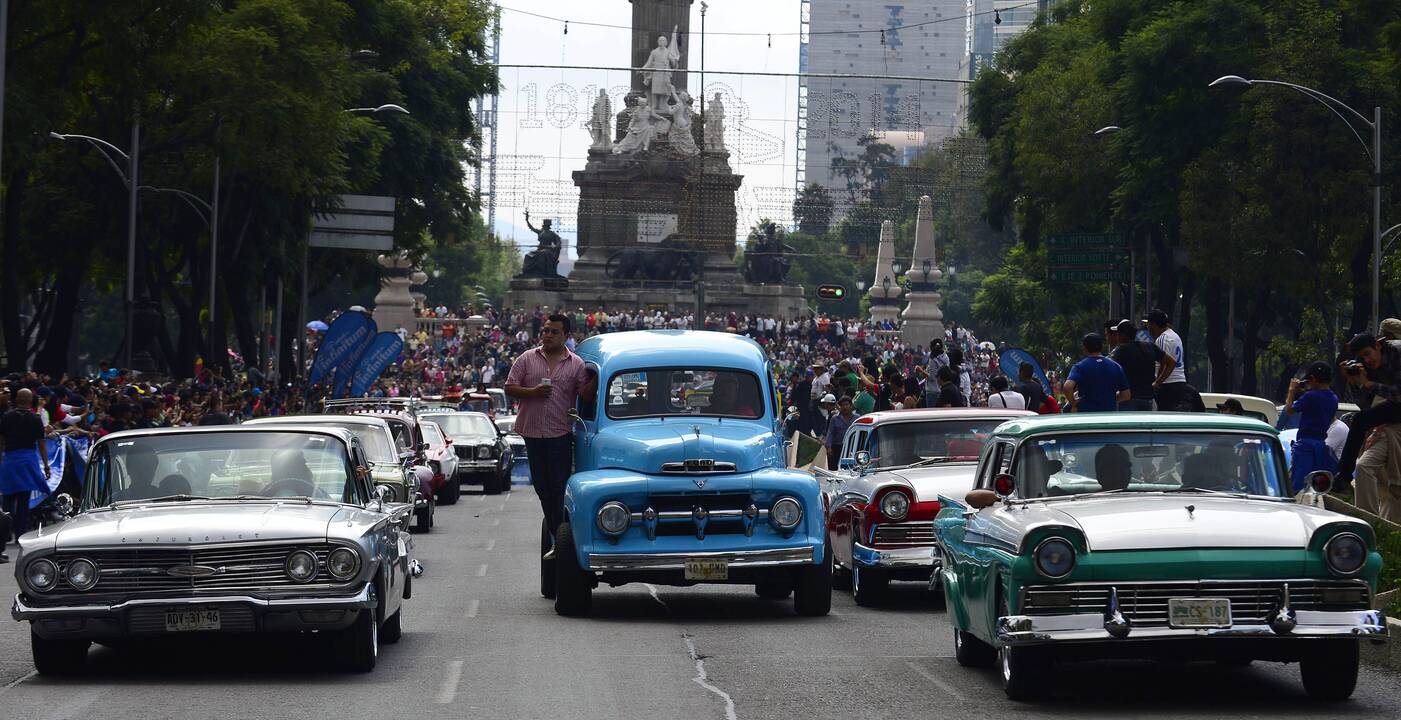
x,y
491,544
703,680
948,689
472,608
481,498
652,589
449,691
16,681
481,571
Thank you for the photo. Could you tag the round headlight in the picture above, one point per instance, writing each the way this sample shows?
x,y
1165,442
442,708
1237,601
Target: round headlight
x,y
484,452
41,574
301,566
81,574
895,505
786,512
613,518
343,563
1055,558
1345,554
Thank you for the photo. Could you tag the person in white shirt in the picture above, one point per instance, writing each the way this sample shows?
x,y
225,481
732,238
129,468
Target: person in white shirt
x,y
1170,387
1001,397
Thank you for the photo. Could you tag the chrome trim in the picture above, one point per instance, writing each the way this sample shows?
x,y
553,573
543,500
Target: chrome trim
x,y
698,467
1144,603
361,599
908,557
677,560
1092,627
910,532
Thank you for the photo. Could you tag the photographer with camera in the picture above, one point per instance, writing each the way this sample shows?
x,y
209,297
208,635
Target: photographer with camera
x,y
1376,376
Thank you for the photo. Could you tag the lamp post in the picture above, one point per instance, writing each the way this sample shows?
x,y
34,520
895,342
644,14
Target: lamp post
x,y
1374,153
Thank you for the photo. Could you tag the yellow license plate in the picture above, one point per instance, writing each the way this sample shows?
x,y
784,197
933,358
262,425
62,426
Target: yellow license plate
x,y
191,620
704,570
1199,612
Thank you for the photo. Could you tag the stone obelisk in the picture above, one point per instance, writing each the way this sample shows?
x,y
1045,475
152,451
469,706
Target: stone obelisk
x,y
924,321
885,290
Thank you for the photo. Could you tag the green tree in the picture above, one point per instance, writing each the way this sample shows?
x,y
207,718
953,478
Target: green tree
x,y
812,209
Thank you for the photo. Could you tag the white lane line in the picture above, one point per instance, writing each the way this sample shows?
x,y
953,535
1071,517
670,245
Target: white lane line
x,y
32,674
652,589
449,690
481,498
491,544
481,571
496,522
703,680
472,608
948,689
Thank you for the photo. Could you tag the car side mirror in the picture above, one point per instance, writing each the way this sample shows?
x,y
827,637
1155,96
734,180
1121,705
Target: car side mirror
x,y
65,504
423,446
384,494
1004,484
1319,482
863,459
979,499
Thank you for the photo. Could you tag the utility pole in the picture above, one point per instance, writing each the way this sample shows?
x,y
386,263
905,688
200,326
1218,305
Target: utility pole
x,y
133,184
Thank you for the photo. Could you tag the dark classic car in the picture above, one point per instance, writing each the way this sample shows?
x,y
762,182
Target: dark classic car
x,y
483,455
219,530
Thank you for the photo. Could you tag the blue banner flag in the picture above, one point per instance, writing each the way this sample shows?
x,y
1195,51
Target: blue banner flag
x,y
381,353
343,342
1010,363
345,370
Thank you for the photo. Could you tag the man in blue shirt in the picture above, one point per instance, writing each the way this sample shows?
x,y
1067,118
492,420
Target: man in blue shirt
x,y
1312,399
1096,383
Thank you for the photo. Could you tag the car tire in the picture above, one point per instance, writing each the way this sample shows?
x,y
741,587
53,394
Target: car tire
x,y
393,628
1330,672
357,647
773,590
547,567
841,577
424,518
1021,668
868,585
813,596
452,490
972,652
491,485
573,584
58,657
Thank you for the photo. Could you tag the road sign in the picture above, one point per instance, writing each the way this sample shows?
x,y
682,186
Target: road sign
x,y
363,222
1087,257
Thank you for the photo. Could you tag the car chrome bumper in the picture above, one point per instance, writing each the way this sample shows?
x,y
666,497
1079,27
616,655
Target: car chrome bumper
x,y
477,465
1093,627
906,557
677,560
361,600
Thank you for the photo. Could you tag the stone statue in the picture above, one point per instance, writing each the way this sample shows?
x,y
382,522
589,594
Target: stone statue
x,y
543,261
715,125
600,123
766,263
670,261
657,76
681,118
643,128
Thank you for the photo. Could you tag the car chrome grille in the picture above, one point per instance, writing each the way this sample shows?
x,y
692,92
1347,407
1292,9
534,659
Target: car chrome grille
x,y
697,467
720,513
150,620
237,568
1146,603
919,533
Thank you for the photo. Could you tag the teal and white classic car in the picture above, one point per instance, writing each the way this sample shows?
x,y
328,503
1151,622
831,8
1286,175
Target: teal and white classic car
x,y
680,477
1159,535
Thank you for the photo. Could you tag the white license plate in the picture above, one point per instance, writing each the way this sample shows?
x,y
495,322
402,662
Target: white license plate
x,y
707,569
1199,612
191,620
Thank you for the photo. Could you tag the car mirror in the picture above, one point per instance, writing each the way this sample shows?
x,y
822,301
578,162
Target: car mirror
x,y
979,499
1319,481
384,493
863,459
64,503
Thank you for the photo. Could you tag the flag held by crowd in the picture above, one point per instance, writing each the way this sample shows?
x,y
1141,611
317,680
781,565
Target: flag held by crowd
x,y
382,352
343,344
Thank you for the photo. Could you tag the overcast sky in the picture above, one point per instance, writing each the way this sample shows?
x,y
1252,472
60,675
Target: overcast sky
x,y
536,155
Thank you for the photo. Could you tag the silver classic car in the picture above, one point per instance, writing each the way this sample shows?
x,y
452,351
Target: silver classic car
x,y
219,530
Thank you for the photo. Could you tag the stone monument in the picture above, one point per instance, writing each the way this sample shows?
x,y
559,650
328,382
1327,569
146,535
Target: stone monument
x,y
394,304
885,289
924,320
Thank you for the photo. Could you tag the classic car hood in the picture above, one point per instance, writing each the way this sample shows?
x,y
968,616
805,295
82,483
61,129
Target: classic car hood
x,y
644,445
192,522
953,480
1118,522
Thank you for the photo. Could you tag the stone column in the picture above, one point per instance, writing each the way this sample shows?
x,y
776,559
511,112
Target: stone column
x,y
652,19
394,303
924,321
885,290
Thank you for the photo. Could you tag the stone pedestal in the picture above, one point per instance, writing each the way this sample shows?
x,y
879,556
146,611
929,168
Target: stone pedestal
x,y
394,304
924,321
885,289
530,293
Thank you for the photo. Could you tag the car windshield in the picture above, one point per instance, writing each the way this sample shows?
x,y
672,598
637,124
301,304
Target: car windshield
x,y
220,465
679,391
372,437
432,435
904,443
1150,462
506,424
463,425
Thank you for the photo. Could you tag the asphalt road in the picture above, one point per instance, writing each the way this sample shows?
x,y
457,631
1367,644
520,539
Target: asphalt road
x,y
479,642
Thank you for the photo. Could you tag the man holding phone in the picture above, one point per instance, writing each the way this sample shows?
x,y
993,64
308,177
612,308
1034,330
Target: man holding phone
x,y
1376,376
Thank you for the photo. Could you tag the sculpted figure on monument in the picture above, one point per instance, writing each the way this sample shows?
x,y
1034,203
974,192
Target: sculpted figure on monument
x,y
657,77
643,128
543,261
600,123
766,263
681,118
715,125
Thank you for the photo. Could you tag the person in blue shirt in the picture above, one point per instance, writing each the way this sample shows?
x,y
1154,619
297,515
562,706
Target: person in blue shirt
x,y
1096,383
1311,398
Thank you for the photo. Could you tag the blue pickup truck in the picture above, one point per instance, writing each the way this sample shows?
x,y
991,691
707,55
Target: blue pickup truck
x,y
680,476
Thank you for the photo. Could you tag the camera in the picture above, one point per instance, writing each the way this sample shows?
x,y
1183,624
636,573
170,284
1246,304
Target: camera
x,y
1353,369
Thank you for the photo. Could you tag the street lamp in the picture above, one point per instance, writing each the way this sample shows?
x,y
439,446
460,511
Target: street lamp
x,y
1374,153
387,107
1107,130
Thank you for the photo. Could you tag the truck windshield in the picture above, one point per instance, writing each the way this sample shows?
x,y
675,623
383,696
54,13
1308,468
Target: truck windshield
x,y
661,392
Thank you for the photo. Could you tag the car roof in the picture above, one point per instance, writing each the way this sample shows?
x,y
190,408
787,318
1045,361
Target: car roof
x,y
1023,427
342,434
918,414
431,413
315,419
671,348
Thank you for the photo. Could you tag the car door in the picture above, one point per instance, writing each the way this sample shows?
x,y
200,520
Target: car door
x,y
585,427
388,535
983,551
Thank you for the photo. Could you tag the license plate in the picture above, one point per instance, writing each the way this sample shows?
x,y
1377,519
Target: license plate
x,y
1199,612
707,569
191,620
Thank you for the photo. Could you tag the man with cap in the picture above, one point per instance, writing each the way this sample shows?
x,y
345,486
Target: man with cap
x,y
1170,387
1232,406
1096,383
1311,398
1140,361
1376,377
822,416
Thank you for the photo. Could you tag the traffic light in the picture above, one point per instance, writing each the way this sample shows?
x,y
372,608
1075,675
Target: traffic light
x,y
831,292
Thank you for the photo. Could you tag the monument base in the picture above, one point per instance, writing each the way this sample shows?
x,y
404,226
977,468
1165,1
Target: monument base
x,y
531,292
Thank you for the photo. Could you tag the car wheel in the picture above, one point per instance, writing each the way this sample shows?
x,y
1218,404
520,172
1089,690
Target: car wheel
x,y
547,567
393,627
452,490
1021,668
841,577
970,651
424,517
868,585
58,657
408,585
813,596
491,484
358,645
773,590
1330,671
573,584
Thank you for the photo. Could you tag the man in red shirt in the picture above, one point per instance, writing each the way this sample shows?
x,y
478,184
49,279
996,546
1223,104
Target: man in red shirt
x,y
547,381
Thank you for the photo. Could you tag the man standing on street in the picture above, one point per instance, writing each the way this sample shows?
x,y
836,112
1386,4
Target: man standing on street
x,y
1096,383
547,381
1137,358
836,430
25,466
1376,376
1030,387
948,395
1171,384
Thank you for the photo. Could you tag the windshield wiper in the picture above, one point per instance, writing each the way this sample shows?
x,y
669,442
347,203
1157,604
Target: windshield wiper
x,y
925,461
1195,489
163,498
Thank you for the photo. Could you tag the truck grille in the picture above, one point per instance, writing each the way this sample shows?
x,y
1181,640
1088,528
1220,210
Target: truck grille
x,y
919,533
1146,603
676,513
239,568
